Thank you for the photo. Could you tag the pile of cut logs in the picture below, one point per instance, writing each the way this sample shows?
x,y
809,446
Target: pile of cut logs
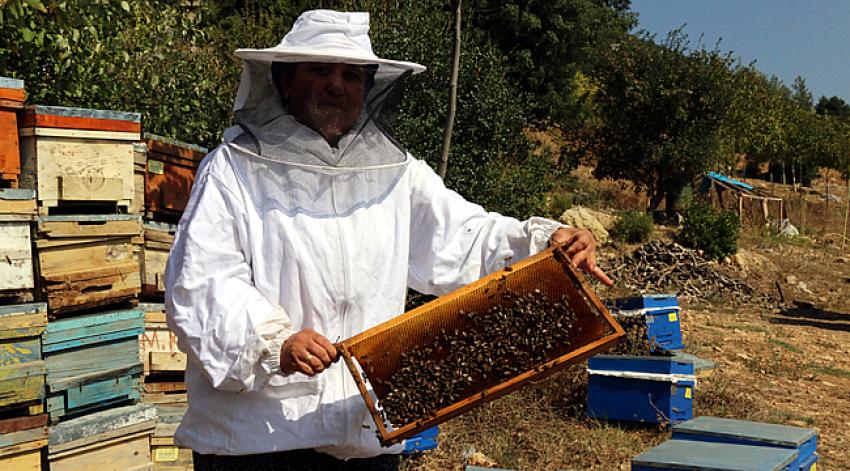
x,y
664,267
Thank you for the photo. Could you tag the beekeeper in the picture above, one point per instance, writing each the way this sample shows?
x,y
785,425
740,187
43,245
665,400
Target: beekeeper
x,y
306,227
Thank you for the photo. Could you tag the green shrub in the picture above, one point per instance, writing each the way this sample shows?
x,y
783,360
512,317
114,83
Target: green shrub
x,y
633,227
559,202
713,231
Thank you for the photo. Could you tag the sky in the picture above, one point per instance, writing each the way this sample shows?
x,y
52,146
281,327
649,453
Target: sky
x,y
786,38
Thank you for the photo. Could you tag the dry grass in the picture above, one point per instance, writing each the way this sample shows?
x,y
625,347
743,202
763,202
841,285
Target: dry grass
x,y
541,427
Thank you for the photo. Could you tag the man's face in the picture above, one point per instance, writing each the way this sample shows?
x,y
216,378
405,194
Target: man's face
x,y
326,97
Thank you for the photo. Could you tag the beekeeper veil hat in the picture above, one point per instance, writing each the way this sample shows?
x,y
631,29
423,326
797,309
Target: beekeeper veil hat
x,y
363,158
317,36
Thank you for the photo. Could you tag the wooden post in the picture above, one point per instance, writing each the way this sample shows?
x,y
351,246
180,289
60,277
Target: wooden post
x,y
803,215
450,119
846,214
827,191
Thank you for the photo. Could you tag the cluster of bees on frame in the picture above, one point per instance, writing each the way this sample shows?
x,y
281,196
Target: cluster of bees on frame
x,y
637,341
517,335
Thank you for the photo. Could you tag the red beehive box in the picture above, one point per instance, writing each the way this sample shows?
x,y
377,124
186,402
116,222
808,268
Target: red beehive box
x,y
170,172
11,101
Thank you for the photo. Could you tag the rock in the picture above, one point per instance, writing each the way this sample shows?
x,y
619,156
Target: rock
x,y
791,279
596,222
787,229
752,262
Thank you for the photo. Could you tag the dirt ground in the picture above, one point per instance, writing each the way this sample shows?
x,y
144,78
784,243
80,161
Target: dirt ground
x,y
787,364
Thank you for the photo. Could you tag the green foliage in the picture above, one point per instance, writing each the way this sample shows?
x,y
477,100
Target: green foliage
x,y
633,227
713,231
833,106
559,202
550,42
663,108
490,160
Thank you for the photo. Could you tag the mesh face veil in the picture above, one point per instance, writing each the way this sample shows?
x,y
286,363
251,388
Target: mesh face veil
x,y
290,163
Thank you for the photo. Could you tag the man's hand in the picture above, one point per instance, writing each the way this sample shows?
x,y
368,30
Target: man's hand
x,y
581,248
307,352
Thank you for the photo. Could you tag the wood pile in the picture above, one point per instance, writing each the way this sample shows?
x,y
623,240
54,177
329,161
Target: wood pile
x,y
662,267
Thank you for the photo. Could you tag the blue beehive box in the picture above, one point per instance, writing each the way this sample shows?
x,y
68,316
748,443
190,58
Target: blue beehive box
x,y
640,389
423,441
706,456
809,464
744,432
661,312
93,361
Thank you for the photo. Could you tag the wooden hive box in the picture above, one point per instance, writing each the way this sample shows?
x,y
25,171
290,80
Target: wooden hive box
x,y
21,442
22,367
93,361
171,167
166,455
12,97
164,363
88,261
158,239
111,440
79,160
17,211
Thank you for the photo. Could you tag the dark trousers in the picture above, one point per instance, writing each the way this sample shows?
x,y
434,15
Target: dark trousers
x,y
295,460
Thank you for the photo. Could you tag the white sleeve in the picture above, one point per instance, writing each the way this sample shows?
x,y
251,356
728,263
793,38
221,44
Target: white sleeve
x,y
222,322
455,242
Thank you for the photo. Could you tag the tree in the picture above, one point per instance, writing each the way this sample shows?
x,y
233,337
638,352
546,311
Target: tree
x,y
663,109
833,106
548,43
801,95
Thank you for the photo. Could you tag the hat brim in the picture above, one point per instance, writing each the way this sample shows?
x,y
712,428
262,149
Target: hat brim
x,y
278,54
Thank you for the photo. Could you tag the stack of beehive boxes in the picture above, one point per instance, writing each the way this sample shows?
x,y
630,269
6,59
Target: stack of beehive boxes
x,y
165,171
80,164
23,422
88,211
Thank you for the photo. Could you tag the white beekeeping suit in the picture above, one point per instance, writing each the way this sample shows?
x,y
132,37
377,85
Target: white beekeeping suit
x,y
284,232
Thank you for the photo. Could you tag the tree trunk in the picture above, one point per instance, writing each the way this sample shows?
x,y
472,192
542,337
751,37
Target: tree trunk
x,y
671,201
794,177
655,201
784,182
450,119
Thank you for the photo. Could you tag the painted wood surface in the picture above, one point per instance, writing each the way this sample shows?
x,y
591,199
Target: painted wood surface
x,y
125,453
99,225
87,272
77,365
165,145
9,82
92,329
22,320
71,112
159,351
82,165
94,396
67,435
17,202
31,120
16,269
12,94
10,157
28,424
23,457
23,439
22,383
139,164
167,186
